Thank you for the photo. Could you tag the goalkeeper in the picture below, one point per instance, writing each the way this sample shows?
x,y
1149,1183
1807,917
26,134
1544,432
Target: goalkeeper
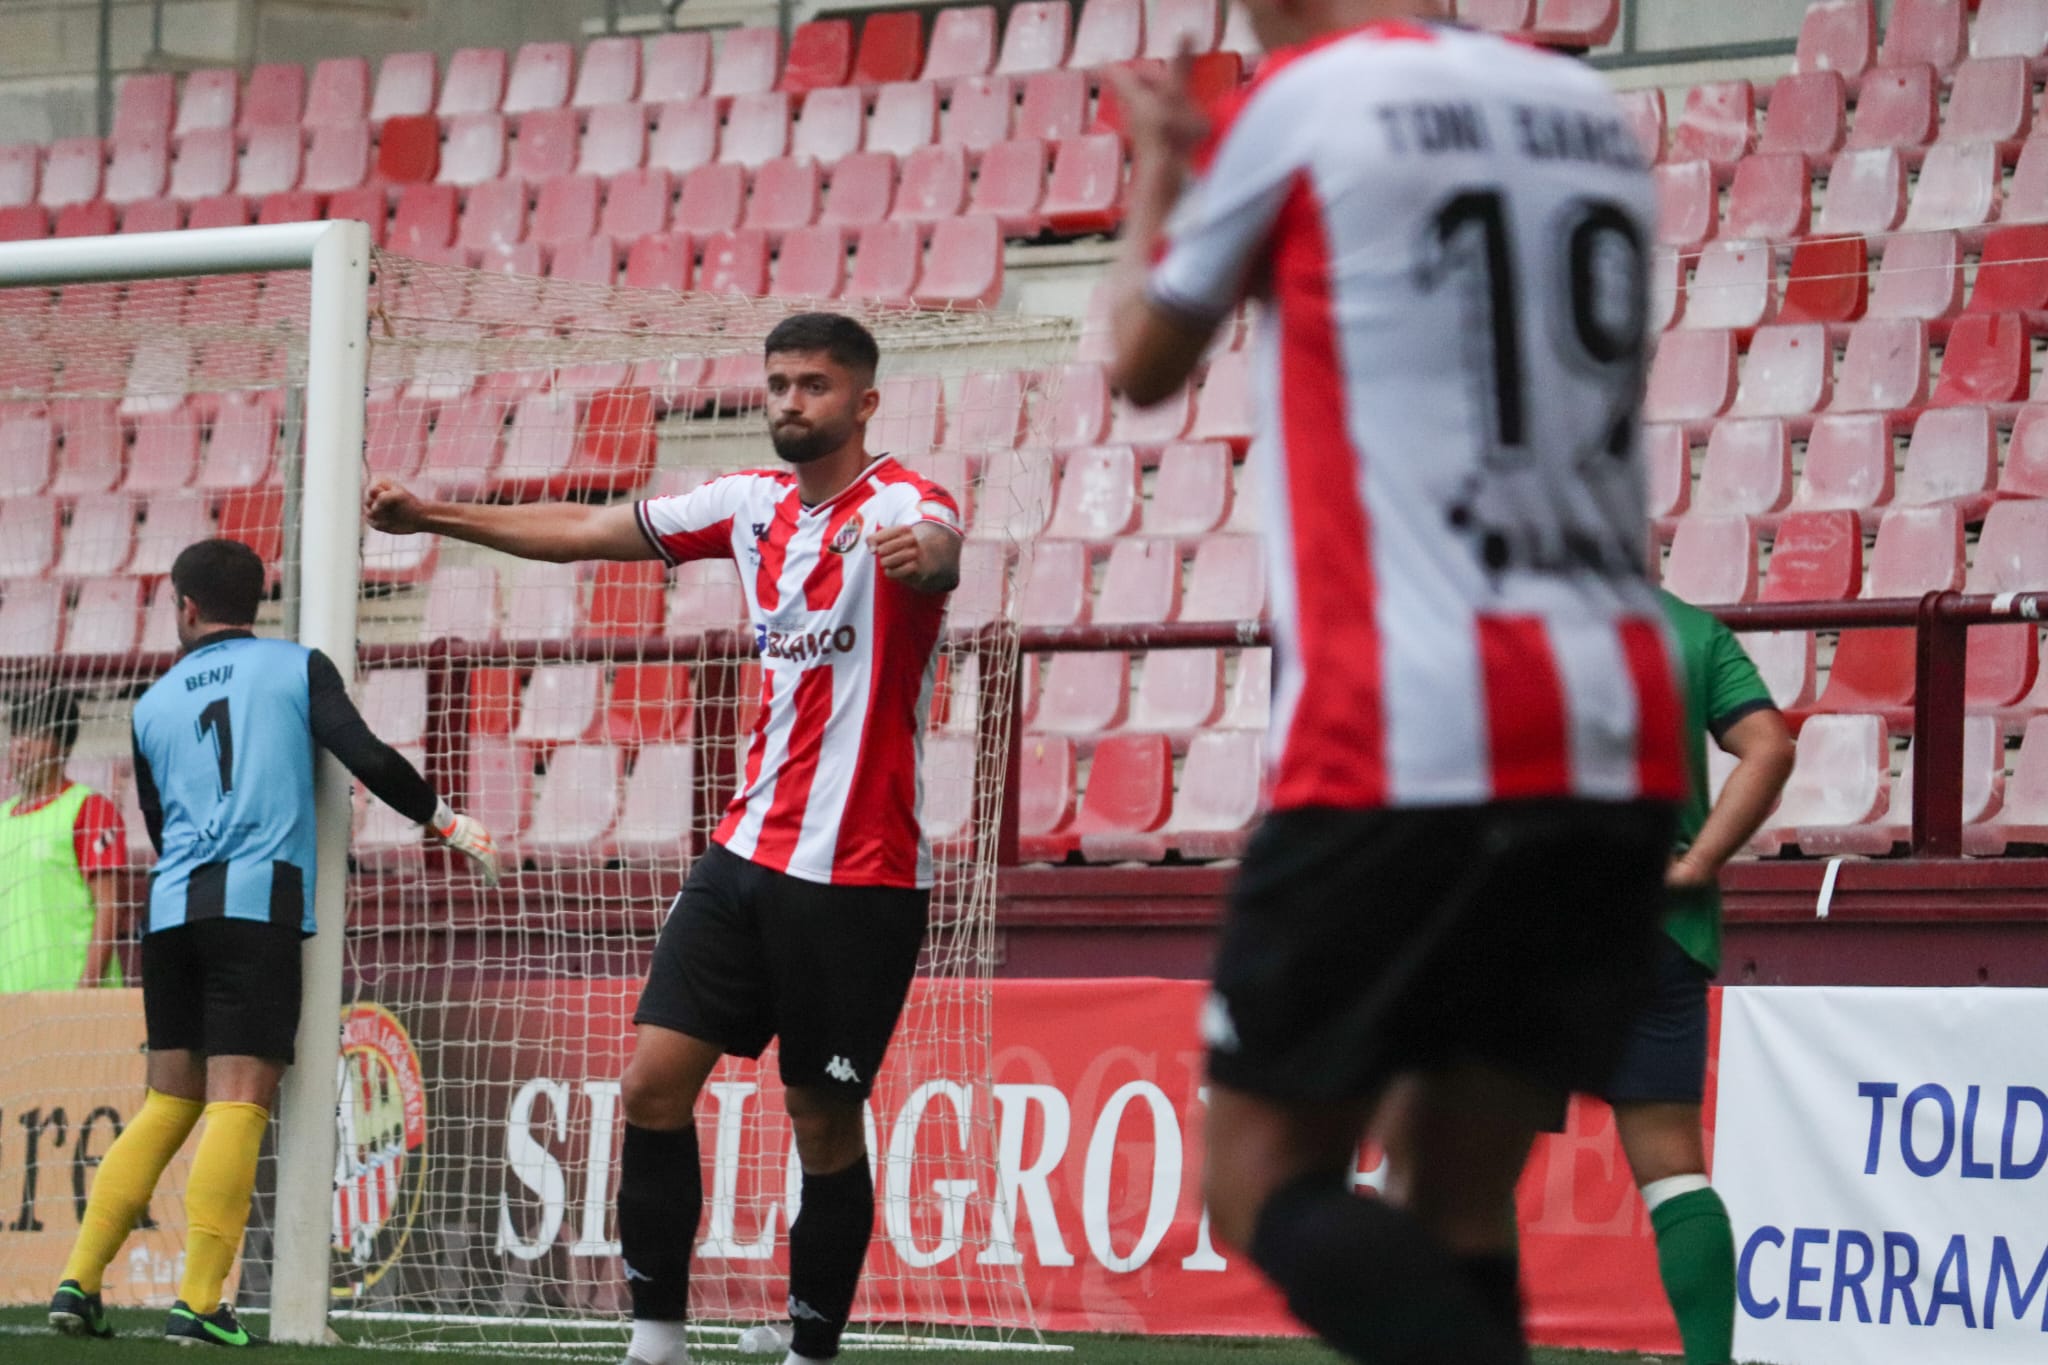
x,y
224,769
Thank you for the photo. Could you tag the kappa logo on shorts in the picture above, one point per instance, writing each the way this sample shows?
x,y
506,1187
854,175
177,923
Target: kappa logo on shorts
x,y
839,1069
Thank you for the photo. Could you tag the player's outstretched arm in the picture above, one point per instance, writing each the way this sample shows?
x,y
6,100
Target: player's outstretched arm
x,y
560,532
924,557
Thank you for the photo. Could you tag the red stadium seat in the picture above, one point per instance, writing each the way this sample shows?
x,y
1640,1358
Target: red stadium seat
x,y
273,159
1692,377
1035,37
24,223
614,140
1952,458
366,205
143,105
1108,31
712,199
861,191
28,537
106,617
405,85
963,43
475,83
1958,188
1747,470
138,167
891,47
493,215
1128,797
1928,31
785,196
1011,186
1988,359
1921,276
339,158
685,136
1898,106
650,703
545,144
1866,194
886,262
1226,580
72,168
1141,585
610,73
1734,285
1848,465
588,260
275,98
2012,272
1713,560
1686,201
474,151
1055,106
1815,557
340,92
820,55
965,266
540,78
1808,116
31,619
1770,199
255,516
1718,124
749,61
409,149
1884,366
831,124
1838,782
980,113
627,600
678,67
1084,193
1919,550
1838,35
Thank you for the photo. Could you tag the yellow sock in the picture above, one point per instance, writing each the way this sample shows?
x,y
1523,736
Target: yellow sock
x,y
217,1199
126,1178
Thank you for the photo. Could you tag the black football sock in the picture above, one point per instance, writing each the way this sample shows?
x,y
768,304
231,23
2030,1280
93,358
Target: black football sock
x,y
1498,1280
827,1244
661,1199
1372,1283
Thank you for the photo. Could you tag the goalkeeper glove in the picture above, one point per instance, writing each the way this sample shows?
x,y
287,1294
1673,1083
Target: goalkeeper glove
x,y
467,836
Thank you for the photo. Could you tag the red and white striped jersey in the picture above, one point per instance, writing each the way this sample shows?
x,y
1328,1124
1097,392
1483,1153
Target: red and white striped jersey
x,y
1450,233
833,781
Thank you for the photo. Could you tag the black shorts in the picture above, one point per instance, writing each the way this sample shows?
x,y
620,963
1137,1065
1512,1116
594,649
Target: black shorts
x,y
1362,944
1664,1052
748,954
223,987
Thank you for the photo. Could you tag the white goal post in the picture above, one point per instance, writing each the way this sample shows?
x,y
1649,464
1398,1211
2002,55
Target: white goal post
x,y
337,255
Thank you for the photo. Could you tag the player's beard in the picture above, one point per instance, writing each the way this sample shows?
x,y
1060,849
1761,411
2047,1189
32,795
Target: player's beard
x,y
808,442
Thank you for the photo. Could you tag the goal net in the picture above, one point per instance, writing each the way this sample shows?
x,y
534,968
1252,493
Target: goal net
x,y
595,717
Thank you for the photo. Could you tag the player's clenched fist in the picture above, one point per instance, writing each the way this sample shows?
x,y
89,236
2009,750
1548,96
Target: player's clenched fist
x,y
901,553
466,835
391,507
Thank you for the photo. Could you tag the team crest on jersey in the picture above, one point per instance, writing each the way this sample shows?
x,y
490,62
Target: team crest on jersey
x,y
381,1166
848,536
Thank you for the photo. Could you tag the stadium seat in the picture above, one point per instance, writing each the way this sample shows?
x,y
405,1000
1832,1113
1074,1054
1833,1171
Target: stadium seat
x,y
657,808
734,263
93,453
1717,125
685,136
1010,187
31,619
338,158
474,150
2004,661
1848,466
560,704
1686,203
1921,276
1151,427
1226,579
222,210
1193,26
159,637
964,268
2010,28
395,436
749,61
339,93
1080,407
500,791
910,418
1141,584
164,454
1084,193
757,130
2022,818
649,703
712,199
1952,458
785,196
1045,795
2012,271
1991,101
1769,200
405,86
21,168
1035,38
1919,550
540,78
475,83
1251,692
493,215
1807,117
990,413
28,451
1815,557
105,619
1866,194
627,600
677,67
1837,796
24,223
409,149
933,186
255,516
1958,187
1100,492
1084,693
1734,285
1988,359
1219,799
610,72
706,596
540,603
465,445
241,444
382,839
1054,107
1667,289
886,262
1747,470
1692,377
963,43
1884,366
2024,473
545,144
1898,107
1928,31
1837,35
28,537
1713,560
1054,590
138,167
170,522
275,97
1179,692
891,48
1667,466
272,162
575,807
542,456
861,191
205,165
151,215
72,169
1191,491
1644,112
1108,31
979,598
366,204
143,104
980,113
1128,797
820,55
615,141
566,210
831,124
394,705
811,265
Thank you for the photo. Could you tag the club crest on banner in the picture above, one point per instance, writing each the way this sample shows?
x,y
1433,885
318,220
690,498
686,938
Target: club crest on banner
x,y
381,1157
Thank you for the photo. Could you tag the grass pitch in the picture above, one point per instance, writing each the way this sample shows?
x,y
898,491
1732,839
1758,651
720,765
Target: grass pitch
x,y
25,1338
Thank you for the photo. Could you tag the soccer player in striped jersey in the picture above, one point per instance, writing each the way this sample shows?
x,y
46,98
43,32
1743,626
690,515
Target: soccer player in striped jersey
x,y
804,918
1475,745
224,747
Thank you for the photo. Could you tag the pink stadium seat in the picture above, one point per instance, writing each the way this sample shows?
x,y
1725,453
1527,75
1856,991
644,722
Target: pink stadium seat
x,y
587,260
500,790
143,105
545,144
1848,466
93,450
933,185
1734,285
1667,288
979,598
1108,31
831,124
170,522
71,172
980,112
223,210
2004,661
990,414
891,47
151,215
366,205
1151,427
409,149
658,807
964,268
2023,816
24,223
811,265
1866,194
1100,491
1182,25
1226,580
861,191
1686,202
106,617
1713,560
1055,106
566,210
1919,550
165,452
339,157
615,140
678,67
1991,101
1667,462
758,129
1828,281
1747,470
1220,795
1921,276
1958,187
749,60
474,151
576,807
1837,35
1080,406
493,215
275,98
28,537
138,167
637,205
2010,28
1128,797
1141,585
540,603
1815,557
1692,377
1054,589
1884,366
2025,471
963,43
1928,31
1045,797
1952,458
241,444
1898,106
395,436
1250,704
207,101
1083,693
1787,661
2012,271
1084,193
820,55
540,78
1770,199
475,83
273,158
541,448
1011,186
394,705
1717,125
734,263
31,619
405,85
1644,111
28,451
910,418
340,92
1808,116
561,704
1016,495
610,73
785,196
905,118
706,596
1179,691
464,449
712,198
205,165
685,136
1839,780
21,168
1035,38
1988,359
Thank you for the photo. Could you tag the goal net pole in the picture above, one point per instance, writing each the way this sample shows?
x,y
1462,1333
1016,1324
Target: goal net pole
x,y
337,254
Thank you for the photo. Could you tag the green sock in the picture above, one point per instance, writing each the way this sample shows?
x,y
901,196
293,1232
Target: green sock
x,y
1696,1256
